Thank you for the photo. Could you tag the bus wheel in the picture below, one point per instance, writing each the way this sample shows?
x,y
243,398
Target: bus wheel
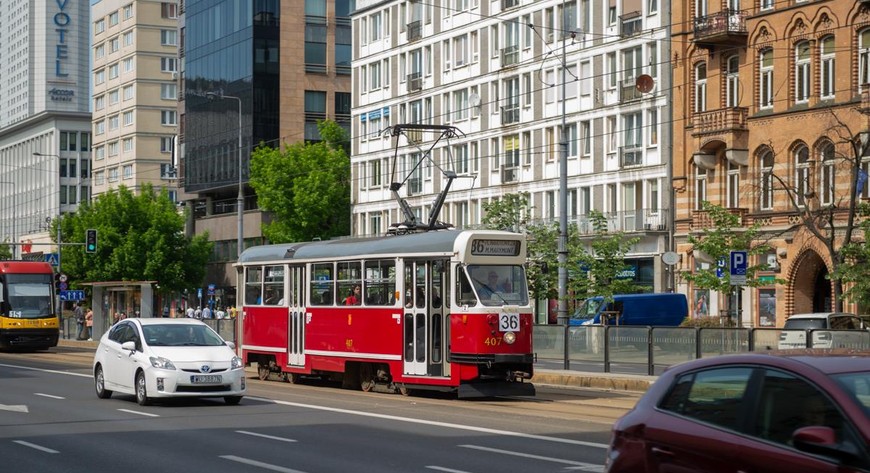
x,y
291,378
263,371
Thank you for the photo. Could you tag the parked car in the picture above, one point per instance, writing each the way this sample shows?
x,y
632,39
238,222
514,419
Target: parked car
x,y
655,309
159,358
777,412
826,329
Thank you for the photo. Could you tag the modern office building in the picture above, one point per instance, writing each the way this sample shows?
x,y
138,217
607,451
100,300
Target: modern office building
x,y
135,94
768,124
44,118
511,75
251,75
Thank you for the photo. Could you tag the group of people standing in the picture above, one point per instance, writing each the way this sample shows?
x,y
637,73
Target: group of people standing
x,y
207,313
85,322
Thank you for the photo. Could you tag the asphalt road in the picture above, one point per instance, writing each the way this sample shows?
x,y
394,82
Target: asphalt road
x,y
51,420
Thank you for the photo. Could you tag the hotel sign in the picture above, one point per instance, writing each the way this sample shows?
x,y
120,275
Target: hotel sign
x,y
61,22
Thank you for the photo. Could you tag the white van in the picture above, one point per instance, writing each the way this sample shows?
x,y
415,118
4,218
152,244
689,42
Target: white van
x,y
794,333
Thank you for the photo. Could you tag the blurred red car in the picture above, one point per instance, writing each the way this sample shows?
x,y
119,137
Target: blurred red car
x,y
796,411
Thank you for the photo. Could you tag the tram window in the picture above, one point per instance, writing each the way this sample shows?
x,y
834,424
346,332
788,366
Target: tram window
x,y
273,285
322,284
253,275
437,274
380,282
349,277
421,286
409,337
463,288
436,338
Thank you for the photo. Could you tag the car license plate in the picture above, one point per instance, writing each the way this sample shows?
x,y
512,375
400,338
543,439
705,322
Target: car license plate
x,y
205,379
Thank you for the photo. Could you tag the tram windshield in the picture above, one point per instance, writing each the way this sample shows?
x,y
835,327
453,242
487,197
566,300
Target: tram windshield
x,y
493,285
27,296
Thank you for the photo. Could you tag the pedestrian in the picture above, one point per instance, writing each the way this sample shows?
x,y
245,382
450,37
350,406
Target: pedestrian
x,y
116,318
89,324
206,312
79,315
190,312
220,313
197,314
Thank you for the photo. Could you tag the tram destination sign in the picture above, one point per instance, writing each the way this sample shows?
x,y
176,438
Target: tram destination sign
x,y
481,247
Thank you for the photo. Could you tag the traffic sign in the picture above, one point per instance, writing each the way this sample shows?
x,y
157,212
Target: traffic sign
x,y
51,258
211,288
72,295
739,263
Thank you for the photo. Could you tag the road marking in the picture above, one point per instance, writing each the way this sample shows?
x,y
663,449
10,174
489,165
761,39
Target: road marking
x,y
580,465
282,439
47,371
147,414
15,408
35,446
266,466
49,396
436,423
447,470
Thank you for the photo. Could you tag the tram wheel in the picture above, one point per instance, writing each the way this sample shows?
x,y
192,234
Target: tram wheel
x,y
291,378
367,385
404,390
263,371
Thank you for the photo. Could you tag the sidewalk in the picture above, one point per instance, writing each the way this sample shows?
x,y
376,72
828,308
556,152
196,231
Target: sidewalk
x,y
543,377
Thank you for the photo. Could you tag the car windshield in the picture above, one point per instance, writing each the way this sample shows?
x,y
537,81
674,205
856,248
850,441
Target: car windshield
x,y
175,335
857,384
587,310
29,295
805,324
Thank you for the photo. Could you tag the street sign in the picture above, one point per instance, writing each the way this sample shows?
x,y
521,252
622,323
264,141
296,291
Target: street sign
x,y
62,286
739,262
72,295
51,258
720,268
211,289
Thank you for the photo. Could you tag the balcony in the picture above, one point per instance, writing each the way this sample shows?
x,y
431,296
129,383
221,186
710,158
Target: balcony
x,y
415,30
724,28
510,115
510,56
415,82
726,126
628,91
631,155
701,219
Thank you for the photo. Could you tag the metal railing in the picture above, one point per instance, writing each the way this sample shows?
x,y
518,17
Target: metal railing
x,y
649,350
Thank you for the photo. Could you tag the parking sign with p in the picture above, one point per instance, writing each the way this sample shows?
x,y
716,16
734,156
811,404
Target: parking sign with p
x,y
739,262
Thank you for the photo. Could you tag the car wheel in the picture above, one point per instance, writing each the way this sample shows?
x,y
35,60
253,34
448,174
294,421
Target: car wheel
x,y
100,384
141,392
232,400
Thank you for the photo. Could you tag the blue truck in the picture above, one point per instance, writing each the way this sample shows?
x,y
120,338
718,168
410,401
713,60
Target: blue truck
x,y
655,309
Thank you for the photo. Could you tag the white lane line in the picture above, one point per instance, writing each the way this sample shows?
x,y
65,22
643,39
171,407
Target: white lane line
x,y
146,414
447,470
49,396
271,437
580,465
35,446
14,408
47,371
265,466
437,424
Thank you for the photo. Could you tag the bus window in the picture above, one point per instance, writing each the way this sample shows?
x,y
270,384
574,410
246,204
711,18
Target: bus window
x,y
273,285
380,282
322,284
252,285
349,277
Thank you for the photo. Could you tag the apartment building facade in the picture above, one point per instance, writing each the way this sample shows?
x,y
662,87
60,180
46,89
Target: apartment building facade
x,y
510,76
768,124
44,119
135,94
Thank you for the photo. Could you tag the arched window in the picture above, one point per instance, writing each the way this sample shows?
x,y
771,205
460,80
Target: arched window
x,y
701,87
828,172
826,71
732,81
765,79
802,72
864,58
801,174
766,184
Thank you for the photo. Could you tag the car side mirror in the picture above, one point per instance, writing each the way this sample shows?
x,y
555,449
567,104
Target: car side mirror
x,y
231,345
129,346
821,440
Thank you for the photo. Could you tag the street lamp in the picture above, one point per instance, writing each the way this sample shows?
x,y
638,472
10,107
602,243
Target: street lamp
x,y
240,201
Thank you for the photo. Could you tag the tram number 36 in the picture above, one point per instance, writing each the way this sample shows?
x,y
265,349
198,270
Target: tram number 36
x,y
508,322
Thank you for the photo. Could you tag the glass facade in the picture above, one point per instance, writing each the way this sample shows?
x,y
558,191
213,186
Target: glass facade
x,y
231,50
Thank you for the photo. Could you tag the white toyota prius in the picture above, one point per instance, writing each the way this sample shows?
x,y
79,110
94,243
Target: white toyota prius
x,y
159,358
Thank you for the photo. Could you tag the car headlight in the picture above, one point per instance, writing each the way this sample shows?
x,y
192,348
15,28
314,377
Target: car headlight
x,y
236,363
162,363
509,337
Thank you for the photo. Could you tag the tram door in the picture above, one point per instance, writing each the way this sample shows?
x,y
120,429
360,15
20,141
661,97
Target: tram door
x,y
296,323
424,319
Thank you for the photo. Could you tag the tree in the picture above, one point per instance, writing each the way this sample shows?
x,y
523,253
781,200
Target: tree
x,y
140,238
714,244
854,273
5,252
512,212
604,266
306,187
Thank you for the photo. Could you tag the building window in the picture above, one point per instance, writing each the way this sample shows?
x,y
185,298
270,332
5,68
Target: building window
x,y
701,87
766,184
802,72
114,45
128,11
653,127
99,51
128,92
315,47
99,26
766,4
765,83
169,37
99,77
114,122
113,71
167,117
732,81
127,144
828,173
864,58
586,137
114,96
127,65
168,91
700,187
168,10
99,178
315,109
99,102
113,18
733,185
99,153
801,174
167,144
113,175
169,64
128,171
113,148
100,127
460,158
827,70
128,38
128,118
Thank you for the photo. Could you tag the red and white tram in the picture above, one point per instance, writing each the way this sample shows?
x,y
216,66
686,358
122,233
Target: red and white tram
x,y
446,310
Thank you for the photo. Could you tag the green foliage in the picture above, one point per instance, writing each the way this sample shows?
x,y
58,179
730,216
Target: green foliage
x,y
512,212
306,187
140,238
716,243
601,270
854,272
709,321
5,252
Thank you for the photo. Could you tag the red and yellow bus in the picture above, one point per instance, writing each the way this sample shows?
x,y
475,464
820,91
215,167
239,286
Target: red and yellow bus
x,y
28,316
444,310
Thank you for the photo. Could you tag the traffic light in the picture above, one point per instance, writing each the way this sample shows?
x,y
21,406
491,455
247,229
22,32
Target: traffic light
x,y
90,241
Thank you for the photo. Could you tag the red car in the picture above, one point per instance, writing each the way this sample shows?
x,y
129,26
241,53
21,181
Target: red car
x,y
796,411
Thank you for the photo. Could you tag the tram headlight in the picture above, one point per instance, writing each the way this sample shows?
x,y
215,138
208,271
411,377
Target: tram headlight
x,y
509,337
